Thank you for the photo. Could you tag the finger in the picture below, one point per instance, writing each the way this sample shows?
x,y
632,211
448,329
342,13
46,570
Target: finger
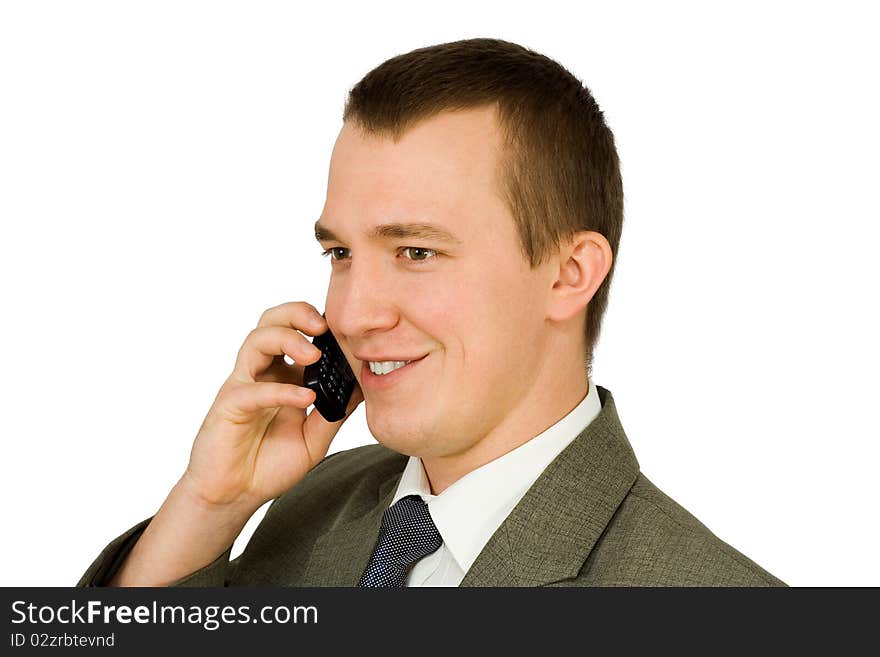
x,y
319,433
299,315
263,344
254,397
282,372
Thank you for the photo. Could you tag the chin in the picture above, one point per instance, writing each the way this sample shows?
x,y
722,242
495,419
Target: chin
x,y
407,447
397,434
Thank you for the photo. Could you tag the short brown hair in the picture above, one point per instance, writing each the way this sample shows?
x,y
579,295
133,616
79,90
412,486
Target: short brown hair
x,y
560,172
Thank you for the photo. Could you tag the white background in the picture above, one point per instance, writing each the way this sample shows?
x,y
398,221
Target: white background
x,y
162,164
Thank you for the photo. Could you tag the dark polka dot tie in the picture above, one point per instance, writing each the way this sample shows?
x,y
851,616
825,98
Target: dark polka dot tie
x,y
407,535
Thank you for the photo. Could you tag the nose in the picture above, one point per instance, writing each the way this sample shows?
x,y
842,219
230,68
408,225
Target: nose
x,y
361,301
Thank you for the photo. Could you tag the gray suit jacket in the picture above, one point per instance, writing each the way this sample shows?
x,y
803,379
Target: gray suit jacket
x,y
590,519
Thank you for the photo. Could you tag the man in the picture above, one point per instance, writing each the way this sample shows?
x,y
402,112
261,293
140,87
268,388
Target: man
x,y
474,207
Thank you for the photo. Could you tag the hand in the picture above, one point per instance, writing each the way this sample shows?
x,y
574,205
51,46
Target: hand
x,y
256,441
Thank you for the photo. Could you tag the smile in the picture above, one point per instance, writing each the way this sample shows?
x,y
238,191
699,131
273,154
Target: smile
x,y
387,366
380,376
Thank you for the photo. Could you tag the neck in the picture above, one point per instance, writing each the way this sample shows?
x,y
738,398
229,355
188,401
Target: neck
x,y
548,400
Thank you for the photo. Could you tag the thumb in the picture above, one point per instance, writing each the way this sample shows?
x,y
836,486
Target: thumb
x,y
319,433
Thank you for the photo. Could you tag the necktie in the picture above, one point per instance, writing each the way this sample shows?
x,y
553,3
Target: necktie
x,y
407,535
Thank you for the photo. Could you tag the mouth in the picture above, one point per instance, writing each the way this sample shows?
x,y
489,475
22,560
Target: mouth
x,y
383,381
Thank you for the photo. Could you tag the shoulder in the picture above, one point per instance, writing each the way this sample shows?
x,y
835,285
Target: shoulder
x,y
341,488
372,461
653,541
349,477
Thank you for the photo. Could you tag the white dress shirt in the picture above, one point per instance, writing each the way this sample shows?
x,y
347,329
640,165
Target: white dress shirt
x,y
471,509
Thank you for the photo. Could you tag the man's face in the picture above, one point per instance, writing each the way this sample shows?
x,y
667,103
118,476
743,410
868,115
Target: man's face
x,y
469,307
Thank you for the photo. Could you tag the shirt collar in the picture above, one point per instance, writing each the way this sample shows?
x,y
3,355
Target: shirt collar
x,y
497,486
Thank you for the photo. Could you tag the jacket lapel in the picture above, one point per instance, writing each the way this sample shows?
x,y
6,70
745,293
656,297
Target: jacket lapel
x,y
549,534
340,556
546,538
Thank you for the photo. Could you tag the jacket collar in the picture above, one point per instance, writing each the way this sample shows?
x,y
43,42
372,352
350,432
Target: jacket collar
x,y
340,556
550,533
546,538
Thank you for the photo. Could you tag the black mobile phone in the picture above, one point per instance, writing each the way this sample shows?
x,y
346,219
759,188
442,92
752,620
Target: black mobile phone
x,y
330,377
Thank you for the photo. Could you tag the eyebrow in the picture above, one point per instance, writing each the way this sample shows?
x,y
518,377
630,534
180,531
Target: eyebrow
x,y
395,230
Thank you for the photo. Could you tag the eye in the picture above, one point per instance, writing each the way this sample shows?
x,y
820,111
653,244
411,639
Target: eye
x,y
331,253
417,252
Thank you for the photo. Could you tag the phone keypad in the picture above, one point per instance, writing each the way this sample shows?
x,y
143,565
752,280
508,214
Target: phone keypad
x,y
330,377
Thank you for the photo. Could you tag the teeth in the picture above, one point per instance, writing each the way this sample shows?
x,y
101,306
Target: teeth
x,y
387,366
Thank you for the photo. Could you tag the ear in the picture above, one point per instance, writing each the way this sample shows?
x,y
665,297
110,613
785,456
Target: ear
x,y
584,262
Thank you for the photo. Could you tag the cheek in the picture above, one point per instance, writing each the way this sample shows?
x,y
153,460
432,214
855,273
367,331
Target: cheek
x,y
494,317
429,294
505,297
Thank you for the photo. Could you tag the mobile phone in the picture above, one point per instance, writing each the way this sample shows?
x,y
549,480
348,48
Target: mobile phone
x,y
330,377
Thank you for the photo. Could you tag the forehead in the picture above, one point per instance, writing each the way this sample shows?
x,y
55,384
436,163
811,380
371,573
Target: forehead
x,y
441,170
